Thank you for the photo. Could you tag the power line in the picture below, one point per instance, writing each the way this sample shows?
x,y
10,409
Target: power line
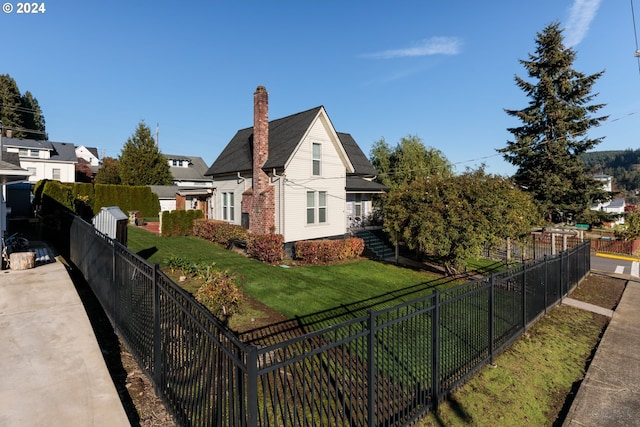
x,y
635,33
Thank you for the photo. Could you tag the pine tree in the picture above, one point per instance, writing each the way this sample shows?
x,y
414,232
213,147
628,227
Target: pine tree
x,y
141,162
10,107
547,146
32,117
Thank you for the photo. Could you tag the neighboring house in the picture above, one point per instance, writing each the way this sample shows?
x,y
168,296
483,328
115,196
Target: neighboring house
x,y
188,171
89,155
615,206
294,176
44,159
173,197
10,172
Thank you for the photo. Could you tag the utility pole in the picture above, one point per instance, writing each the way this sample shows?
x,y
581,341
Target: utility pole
x,y
157,132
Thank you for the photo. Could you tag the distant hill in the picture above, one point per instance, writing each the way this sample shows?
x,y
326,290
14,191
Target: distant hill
x,y
622,165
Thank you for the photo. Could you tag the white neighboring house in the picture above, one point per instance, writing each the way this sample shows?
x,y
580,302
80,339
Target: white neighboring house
x,y
295,176
44,159
89,155
188,171
615,206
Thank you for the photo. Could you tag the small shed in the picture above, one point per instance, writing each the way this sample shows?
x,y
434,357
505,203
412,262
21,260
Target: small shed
x,y
112,222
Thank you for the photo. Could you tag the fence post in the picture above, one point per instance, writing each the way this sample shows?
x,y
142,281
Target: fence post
x,y
371,366
491,285
252,386
435,350
546,281
157,356
116,288
524,297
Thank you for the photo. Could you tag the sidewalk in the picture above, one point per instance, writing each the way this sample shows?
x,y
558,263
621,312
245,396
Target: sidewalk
x,y
51,371
610,392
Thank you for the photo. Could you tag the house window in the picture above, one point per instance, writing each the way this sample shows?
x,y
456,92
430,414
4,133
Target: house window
x,y
55,174
358,205
34,153
317,158
316,207
228,207
23,152
322,206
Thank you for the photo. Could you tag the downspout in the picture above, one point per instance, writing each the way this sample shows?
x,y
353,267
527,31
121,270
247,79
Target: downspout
x,y
281,199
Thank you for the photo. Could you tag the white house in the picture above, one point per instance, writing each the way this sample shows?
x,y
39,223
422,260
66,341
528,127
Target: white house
x,y
615,206
44,159
294,176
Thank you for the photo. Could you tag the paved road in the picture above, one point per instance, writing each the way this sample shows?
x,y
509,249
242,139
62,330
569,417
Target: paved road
x,y
616,265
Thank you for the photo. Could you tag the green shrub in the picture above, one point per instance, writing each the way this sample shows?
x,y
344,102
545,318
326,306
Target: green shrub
x,y
220,294
179,223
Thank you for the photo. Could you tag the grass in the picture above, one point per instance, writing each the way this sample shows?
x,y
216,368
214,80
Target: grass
x,y
529,382
295,291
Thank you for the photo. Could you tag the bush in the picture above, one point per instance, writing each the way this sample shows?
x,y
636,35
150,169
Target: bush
x,y
219,232
266,247
325,251
179,223
220,294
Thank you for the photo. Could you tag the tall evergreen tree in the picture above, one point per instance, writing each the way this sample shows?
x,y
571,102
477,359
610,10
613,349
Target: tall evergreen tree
x,y
32,117
141,162
554,130
20,113
10,106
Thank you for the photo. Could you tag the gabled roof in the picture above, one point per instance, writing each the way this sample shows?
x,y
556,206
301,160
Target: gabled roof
x,y
27,143
284,136
194,172
63,152
357,184
10,169
360,163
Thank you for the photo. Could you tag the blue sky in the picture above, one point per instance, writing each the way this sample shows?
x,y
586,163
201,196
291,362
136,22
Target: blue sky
x,y
443,71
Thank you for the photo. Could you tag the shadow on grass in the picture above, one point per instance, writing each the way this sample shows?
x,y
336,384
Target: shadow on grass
x,y
281,331
147,253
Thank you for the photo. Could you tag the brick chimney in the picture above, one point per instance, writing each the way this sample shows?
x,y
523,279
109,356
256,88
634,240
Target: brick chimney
x,y
259,201
260,138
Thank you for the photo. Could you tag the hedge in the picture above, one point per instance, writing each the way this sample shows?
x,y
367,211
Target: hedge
x,y
219,232
324,251
179,223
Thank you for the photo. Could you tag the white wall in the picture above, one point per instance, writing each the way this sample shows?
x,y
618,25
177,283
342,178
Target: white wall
x,y
229,185
44,170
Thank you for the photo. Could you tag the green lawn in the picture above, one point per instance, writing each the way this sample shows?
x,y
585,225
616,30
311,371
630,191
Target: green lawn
x,y
296,291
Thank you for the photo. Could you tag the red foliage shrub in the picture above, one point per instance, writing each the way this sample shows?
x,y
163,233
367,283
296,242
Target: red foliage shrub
x,y
324,251
266,247
219,232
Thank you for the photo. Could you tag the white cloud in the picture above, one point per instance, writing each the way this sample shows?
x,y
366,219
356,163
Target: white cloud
x,y
431,46
581,15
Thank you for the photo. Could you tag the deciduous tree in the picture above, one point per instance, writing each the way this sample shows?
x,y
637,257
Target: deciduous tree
x,y
454,218
554,129
109,172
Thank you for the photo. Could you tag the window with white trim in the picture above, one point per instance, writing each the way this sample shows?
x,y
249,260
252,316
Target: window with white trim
x,y
228,207
317,158
55,174
316,207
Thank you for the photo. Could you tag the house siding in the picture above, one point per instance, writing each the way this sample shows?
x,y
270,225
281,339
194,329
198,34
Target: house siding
x,y
44,170
300,179
229,185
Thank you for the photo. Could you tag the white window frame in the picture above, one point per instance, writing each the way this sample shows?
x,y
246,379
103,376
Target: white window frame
x,y
54,172
316,207
316,159
228,206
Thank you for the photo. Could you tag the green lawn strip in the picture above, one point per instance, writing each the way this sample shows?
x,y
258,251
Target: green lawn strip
x,y
531,379
297,291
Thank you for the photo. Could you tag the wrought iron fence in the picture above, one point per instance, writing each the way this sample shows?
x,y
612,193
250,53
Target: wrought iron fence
x,y
377,367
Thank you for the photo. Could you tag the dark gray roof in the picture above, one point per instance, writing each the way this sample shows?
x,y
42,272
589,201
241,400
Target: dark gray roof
x,y
27,143
194,172
10,170
357,184
13,158
165,191
63,152
284,136
60,151
361,164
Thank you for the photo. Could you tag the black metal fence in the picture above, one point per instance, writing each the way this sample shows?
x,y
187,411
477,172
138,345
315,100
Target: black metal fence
x,y
383,367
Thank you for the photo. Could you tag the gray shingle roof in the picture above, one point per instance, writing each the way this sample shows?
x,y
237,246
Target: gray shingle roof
x,y
357,184
360,162
284,136
194,172
60,151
